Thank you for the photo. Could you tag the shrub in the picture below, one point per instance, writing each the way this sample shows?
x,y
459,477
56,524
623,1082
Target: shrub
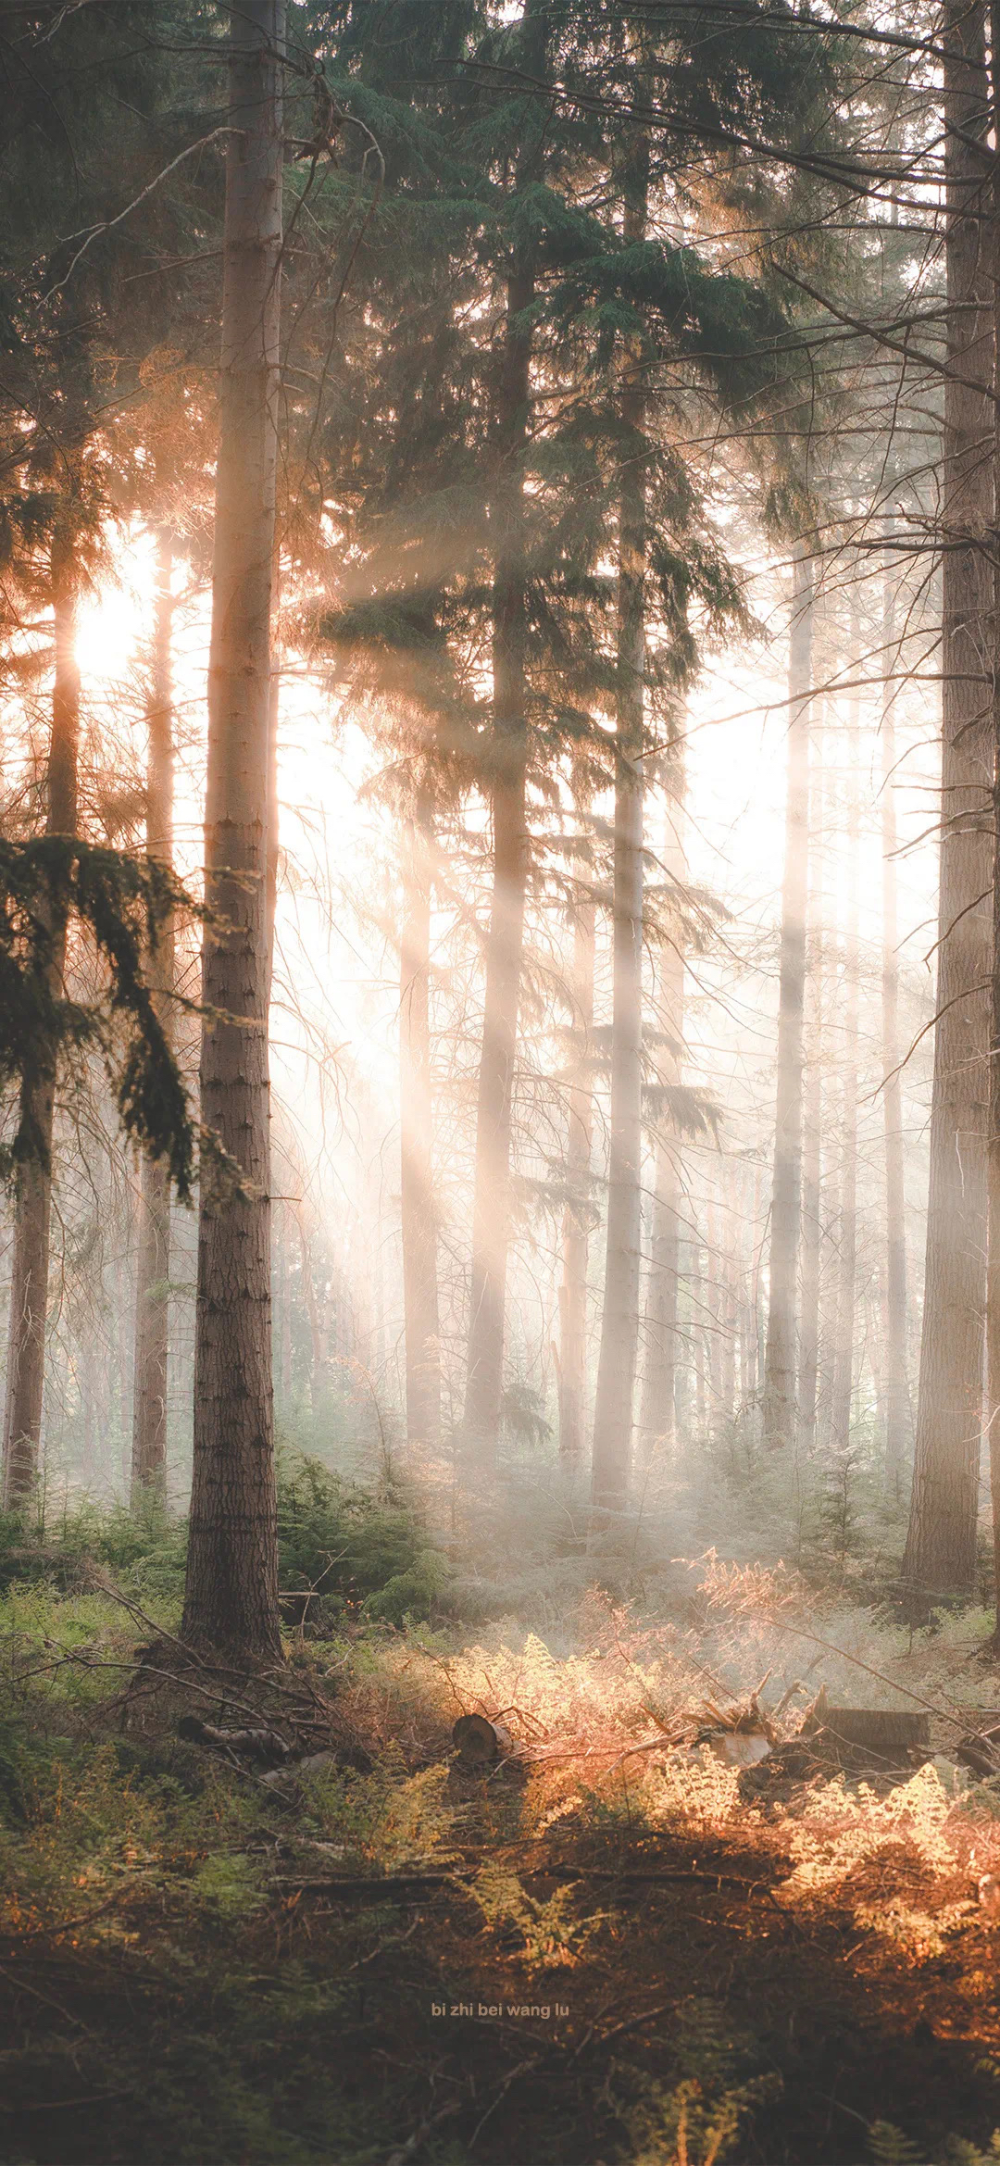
x,y
355,1547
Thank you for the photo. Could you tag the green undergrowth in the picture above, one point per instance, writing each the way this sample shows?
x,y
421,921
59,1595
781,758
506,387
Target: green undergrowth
x,y
206,1958
343,1550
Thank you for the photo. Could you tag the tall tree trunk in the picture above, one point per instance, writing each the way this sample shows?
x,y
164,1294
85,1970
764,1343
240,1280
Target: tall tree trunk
x,y
993,1161
421,1324
898,1409
658,1417
780,1351
33,1200
620,1322
491,1216
149,1404
576,1215
729,1321
847,1249
231,1597
812,1121
940,1556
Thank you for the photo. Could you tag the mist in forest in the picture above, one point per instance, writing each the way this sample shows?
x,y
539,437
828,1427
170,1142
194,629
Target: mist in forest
x,y
713,851
500,1082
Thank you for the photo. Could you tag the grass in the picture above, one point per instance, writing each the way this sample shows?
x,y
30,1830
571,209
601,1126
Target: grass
x,y
602,1953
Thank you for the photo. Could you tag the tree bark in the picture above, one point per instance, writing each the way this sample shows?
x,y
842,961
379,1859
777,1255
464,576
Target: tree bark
x,y
843,1364
149,1405
620,1322
658,1414
779,1407
812,1119
421,1325
491,1217
940,1555
33,1198
231,1597
577,1212
993,1139
898,1408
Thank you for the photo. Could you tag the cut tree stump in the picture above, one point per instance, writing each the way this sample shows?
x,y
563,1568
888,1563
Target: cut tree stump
x,y
868,1736
480,1743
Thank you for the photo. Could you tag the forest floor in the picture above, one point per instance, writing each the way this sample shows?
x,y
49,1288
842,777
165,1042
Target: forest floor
x,y
609,1948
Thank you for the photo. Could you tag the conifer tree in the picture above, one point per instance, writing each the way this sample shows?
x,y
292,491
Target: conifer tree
x,y
75,355
620,1321
33,1201
780,1360
149,1426
658,1419
491,1217
941,1538
231,1595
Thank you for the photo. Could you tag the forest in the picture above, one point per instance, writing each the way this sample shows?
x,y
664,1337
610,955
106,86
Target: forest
x,y
500,1082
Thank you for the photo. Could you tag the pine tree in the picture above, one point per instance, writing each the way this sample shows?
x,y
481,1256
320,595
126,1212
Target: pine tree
x,y
899,1412
231,1594
780,1361
941,1539
33,1201
149,1426
658,1417
579,1206
620,1322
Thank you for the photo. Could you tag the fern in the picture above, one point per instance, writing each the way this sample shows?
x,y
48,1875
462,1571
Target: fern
x,y
889,2147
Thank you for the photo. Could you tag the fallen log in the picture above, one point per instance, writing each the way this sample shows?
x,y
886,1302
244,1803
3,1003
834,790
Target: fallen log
x,y
867,1736
980,1751
368,1887
479,1742
263,1745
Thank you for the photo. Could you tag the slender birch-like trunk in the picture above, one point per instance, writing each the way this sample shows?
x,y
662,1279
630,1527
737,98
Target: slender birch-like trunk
x,y
780,1351
149,1386
231,1597
33,1198
940,1555
421,1326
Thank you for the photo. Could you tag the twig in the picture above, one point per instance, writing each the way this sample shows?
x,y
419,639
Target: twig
x,y
421,2133
20,1985
633,2023
61,2105
523,2069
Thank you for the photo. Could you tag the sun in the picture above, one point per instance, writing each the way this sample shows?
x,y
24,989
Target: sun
x,y
112,621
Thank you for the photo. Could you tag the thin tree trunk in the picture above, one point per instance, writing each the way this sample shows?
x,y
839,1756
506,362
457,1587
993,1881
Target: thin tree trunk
x,y
812,1118
149,1403
421,1323
576,1215
491,1217
33,1200
620,1322
780,1351
847,1250
940,1556
898,1409
728,1322
231,1598
658,1415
